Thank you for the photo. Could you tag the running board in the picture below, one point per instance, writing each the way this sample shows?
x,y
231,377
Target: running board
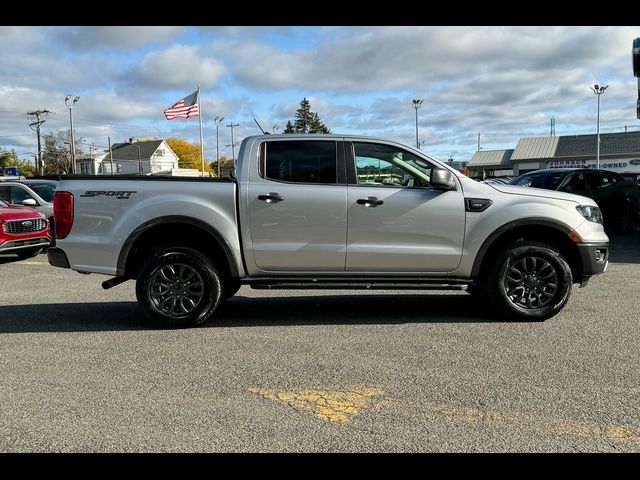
x,y
344,284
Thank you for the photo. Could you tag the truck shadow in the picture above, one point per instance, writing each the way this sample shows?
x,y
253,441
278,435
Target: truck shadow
x,y
243,311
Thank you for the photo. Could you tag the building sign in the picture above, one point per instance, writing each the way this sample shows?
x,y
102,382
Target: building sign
x,y
620,165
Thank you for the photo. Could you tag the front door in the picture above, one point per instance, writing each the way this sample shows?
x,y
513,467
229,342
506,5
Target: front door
x,y
398,222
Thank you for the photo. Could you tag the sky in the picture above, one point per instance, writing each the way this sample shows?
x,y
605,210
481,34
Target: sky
x,y
502,82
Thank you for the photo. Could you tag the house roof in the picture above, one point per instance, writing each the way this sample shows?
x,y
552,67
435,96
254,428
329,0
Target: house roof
x,y
129,151
535,147
610,144
491,158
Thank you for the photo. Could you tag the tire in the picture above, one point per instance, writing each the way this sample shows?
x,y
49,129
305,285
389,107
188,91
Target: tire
x,y
193,274
230,288
32,252
531,281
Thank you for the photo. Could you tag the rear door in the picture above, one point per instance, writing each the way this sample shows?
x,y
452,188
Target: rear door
x,y
398,222
298,207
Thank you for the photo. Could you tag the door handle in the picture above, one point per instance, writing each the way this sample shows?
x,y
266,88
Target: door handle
x,y
369,201
271,197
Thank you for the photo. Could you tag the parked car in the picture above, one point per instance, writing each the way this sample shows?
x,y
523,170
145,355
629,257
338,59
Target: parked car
x,y
23,231
32,193
618,199
632,177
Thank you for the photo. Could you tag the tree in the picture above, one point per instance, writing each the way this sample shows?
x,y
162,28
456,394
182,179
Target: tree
x,y
222,167
56,153
188,154
306,121
10,159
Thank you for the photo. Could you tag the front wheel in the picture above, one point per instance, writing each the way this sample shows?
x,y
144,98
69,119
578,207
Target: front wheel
x,y
530,281
179,287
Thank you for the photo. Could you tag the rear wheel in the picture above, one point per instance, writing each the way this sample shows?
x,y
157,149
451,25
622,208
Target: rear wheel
x,y
530,281
179,287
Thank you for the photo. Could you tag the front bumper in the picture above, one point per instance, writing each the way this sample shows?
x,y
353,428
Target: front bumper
x,y
594,257
13,246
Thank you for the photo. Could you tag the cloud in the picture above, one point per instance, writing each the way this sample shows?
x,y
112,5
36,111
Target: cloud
x,y
123,37
179,66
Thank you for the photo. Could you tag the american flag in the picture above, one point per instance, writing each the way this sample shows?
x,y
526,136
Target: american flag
x,y
184,108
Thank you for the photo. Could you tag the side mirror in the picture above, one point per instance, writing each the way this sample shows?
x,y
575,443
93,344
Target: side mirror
x,y
29,202
442,178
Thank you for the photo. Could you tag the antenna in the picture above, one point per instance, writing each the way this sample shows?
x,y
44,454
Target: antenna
x,y
263,132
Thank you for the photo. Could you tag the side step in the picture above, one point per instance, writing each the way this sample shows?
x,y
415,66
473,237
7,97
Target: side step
x,y
360,284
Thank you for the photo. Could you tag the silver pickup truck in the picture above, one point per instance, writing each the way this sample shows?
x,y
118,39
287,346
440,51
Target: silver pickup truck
x,y
327,211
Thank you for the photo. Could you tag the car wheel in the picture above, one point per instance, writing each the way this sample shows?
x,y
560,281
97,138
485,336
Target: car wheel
x,y
32,252
179,287
530,281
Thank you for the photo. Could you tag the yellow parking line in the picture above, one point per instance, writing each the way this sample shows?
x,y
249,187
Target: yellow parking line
x,y
476,416
331,405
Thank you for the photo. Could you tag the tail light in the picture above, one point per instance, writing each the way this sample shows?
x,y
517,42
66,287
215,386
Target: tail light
x,y
62,213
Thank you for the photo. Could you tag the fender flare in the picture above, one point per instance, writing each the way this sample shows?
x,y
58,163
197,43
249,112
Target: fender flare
x,y
133,236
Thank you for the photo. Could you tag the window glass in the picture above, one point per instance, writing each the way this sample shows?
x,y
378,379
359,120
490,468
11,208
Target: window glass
x,y
301,161
4,193
577,182
387,165
601,180
18,195
44,190
549,180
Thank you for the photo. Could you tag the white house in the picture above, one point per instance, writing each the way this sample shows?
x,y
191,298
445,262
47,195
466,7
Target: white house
x,y
148,156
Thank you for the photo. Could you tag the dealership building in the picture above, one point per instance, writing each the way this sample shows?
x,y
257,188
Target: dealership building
x,y
619,152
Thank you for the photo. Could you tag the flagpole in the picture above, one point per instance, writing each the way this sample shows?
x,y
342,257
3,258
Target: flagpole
x,y
200,119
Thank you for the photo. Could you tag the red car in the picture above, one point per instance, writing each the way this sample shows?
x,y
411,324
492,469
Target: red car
x,y
22,231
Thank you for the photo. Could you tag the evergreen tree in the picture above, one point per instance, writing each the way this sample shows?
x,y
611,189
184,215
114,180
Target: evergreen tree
x,y
306,121
289,128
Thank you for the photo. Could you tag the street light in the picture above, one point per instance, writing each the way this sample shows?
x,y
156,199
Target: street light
x,y
598,91
417,104
218,121
73,144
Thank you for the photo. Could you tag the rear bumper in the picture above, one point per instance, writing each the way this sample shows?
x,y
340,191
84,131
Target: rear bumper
x,y
57,257
594,257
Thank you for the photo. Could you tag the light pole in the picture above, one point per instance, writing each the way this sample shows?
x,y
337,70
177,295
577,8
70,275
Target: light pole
x,y
233,154
598,91
73,144
417,104
218,121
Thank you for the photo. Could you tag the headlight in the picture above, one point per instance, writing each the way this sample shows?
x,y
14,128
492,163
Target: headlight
x,y
593,214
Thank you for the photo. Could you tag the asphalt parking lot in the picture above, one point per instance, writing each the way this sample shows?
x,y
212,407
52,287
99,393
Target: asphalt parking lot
x,y
317,371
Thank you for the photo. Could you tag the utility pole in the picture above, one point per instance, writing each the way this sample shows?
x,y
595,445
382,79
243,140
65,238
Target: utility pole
x,y
35,126
479,141
218,121
553,127
233,151
110,155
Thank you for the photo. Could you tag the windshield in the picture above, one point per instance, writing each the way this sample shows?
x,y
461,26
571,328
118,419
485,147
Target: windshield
x,y
549,180
44,190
